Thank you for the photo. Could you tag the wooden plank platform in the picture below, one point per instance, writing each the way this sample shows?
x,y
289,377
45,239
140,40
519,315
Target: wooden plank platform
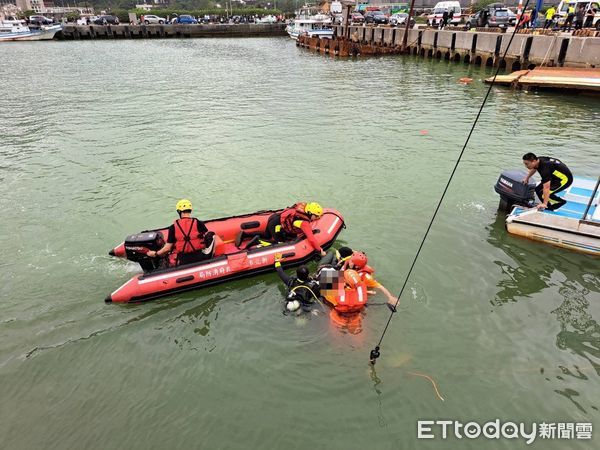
x,y
584,79
508,80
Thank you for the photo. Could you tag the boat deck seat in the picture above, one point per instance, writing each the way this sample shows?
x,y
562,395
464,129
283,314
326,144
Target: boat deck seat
x,y
578,197
219,246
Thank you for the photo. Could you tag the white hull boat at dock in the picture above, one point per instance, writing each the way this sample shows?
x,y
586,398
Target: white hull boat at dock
x,y
17,30
312,25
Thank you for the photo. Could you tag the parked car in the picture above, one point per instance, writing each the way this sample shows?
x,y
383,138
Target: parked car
x,y
150,18
499,18
106,19
376,17
400,19
512,18
40,20
268,19
185,18
357,17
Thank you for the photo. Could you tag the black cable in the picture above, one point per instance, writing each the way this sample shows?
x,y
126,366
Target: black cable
x,y
375,352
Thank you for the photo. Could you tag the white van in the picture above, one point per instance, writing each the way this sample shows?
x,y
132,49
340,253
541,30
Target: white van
x,y
563,8
436,15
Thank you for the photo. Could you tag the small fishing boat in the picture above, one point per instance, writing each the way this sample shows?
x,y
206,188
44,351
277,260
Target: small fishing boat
x,y
17,30
231,260
310,24
575,225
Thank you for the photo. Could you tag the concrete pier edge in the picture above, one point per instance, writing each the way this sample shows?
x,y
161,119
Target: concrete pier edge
x,y
482,48
126,31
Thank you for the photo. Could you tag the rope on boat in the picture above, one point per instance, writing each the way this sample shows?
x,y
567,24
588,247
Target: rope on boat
x,y
375,351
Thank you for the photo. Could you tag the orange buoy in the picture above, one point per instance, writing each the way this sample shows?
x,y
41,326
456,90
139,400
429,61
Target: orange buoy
x,y
465,80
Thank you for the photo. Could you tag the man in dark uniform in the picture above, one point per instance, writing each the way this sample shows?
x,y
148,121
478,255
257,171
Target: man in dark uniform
x,y
444,21
302,290
555,175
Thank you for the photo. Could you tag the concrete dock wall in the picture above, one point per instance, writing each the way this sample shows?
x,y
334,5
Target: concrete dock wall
x,y
487,48
170,31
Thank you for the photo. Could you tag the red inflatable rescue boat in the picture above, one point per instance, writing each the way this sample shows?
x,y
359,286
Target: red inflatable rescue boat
x,y
229,261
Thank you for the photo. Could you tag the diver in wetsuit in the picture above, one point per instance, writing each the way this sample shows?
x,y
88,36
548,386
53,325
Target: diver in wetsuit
x,y
555,175
302,290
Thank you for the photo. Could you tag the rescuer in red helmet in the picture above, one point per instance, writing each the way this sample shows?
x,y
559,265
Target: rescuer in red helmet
x,y
358,261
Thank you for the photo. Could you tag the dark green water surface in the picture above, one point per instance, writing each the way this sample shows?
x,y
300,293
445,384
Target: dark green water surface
x,y
99,139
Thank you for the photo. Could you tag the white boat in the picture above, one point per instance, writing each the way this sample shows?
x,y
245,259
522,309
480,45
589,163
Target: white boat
x,y
575,226
17,30
313,25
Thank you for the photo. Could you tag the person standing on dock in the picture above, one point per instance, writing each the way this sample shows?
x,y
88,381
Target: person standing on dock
x,y
589,18
549,16
525,19
444,21
570,16
579,16
556,177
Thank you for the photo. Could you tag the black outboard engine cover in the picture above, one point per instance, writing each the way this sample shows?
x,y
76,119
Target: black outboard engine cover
x,y
512,190
137,245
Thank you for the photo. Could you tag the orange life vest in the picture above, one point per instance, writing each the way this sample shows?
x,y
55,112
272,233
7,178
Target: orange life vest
x,y
187,237
290,215
367,270
352,300
344,299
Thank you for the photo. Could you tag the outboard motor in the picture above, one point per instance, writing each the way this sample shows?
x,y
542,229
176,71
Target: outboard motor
x,y
137,245
512,190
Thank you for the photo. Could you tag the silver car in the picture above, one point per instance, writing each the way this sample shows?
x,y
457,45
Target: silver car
x,y
400,19
150,18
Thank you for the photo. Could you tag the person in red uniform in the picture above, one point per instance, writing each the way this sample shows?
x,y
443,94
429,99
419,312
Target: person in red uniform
x,y
289,224
358,261
188,237
295,221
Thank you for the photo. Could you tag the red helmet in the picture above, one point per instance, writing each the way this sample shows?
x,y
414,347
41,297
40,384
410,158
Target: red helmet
x,y
359,260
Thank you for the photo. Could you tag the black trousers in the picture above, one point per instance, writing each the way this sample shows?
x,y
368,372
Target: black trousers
x,y
555,201
568,22
271,232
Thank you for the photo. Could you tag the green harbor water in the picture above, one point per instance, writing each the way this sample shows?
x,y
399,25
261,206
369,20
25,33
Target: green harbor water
x,y
99,139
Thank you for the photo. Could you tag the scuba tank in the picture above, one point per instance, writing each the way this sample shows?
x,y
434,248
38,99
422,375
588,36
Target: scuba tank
x,y
301,294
